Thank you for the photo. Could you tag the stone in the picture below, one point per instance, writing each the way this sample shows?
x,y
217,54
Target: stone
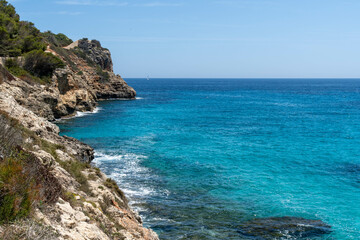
x,y
45,157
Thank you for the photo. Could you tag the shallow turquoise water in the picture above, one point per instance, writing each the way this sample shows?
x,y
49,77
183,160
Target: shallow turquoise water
x,y
199,156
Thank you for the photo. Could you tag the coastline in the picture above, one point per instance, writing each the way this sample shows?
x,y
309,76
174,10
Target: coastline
x,y
78,114
96,109
87,204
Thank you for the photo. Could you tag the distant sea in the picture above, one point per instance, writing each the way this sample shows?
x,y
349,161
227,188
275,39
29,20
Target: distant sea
x,y
196,157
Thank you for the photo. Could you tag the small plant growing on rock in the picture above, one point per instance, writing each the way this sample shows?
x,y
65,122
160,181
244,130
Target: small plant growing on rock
x,y
110,183
17,191
58,40
75,168
104,76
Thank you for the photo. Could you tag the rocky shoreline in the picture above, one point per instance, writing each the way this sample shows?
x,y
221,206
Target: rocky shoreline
x,y
75,199
86,204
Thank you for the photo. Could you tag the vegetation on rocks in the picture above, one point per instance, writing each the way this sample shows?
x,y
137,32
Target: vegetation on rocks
x,y
24,181
57,40
28,229
24,184
17,37
21,38
110,183
82,54
18,191
14,68
75,168
42,64
38,66
104,76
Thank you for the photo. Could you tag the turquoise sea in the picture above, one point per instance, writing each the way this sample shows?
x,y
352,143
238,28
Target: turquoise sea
x,y
196,157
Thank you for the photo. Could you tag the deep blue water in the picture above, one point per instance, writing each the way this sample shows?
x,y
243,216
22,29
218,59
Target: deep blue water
x,y
198,156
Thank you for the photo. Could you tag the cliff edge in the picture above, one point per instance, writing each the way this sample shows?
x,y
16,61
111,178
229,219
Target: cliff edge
x,y
86,78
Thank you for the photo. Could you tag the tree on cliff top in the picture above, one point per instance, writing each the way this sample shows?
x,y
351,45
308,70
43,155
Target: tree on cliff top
x,y
58,40
17,37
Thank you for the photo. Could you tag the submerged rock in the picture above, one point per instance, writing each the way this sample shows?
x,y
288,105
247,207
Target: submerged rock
x,y
283,228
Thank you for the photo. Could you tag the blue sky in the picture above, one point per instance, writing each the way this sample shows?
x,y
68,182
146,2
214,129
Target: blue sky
x,y
212,38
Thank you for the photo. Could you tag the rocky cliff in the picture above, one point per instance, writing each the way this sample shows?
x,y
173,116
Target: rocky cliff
x,y
86,78
49,189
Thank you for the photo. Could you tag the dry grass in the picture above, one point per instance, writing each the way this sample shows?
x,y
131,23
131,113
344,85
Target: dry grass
x,y
27,230
10,135
24,181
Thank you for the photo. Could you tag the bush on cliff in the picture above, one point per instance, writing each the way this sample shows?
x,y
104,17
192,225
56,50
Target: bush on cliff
x,y
42,64
24,181
24,184
14,68
17,190
104,76
57,40
81,54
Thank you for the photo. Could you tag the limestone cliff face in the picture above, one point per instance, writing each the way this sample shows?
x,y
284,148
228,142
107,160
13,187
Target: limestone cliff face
x,y
89,205
101,56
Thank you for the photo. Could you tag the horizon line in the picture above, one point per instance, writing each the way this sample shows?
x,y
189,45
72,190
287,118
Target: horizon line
x,y
243,78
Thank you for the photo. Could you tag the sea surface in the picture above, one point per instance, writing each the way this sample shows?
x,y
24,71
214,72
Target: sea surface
x,y
196,157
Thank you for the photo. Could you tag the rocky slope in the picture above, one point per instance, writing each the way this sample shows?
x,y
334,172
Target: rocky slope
x,y
86,79
74,200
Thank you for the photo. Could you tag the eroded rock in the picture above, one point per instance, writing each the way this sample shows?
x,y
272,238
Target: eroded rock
x,y
283,228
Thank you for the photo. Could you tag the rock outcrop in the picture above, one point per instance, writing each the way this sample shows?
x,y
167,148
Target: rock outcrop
x,y
86,205
101,56
283,228
87,78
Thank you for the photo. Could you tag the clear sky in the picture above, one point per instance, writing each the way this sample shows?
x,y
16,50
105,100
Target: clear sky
x,y
212,38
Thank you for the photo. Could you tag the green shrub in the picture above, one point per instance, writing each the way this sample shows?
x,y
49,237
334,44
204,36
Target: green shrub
x,y
17,190
110,183
24,181
98,172
66,55
13,67
42,64
104,76
70,198
75,169
81,54
50,147
57,40
10,135
92,177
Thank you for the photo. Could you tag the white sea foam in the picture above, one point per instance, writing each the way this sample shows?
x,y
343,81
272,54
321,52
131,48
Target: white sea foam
x,y
81,114
131,177
139,98
128,169
119,99
161,219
